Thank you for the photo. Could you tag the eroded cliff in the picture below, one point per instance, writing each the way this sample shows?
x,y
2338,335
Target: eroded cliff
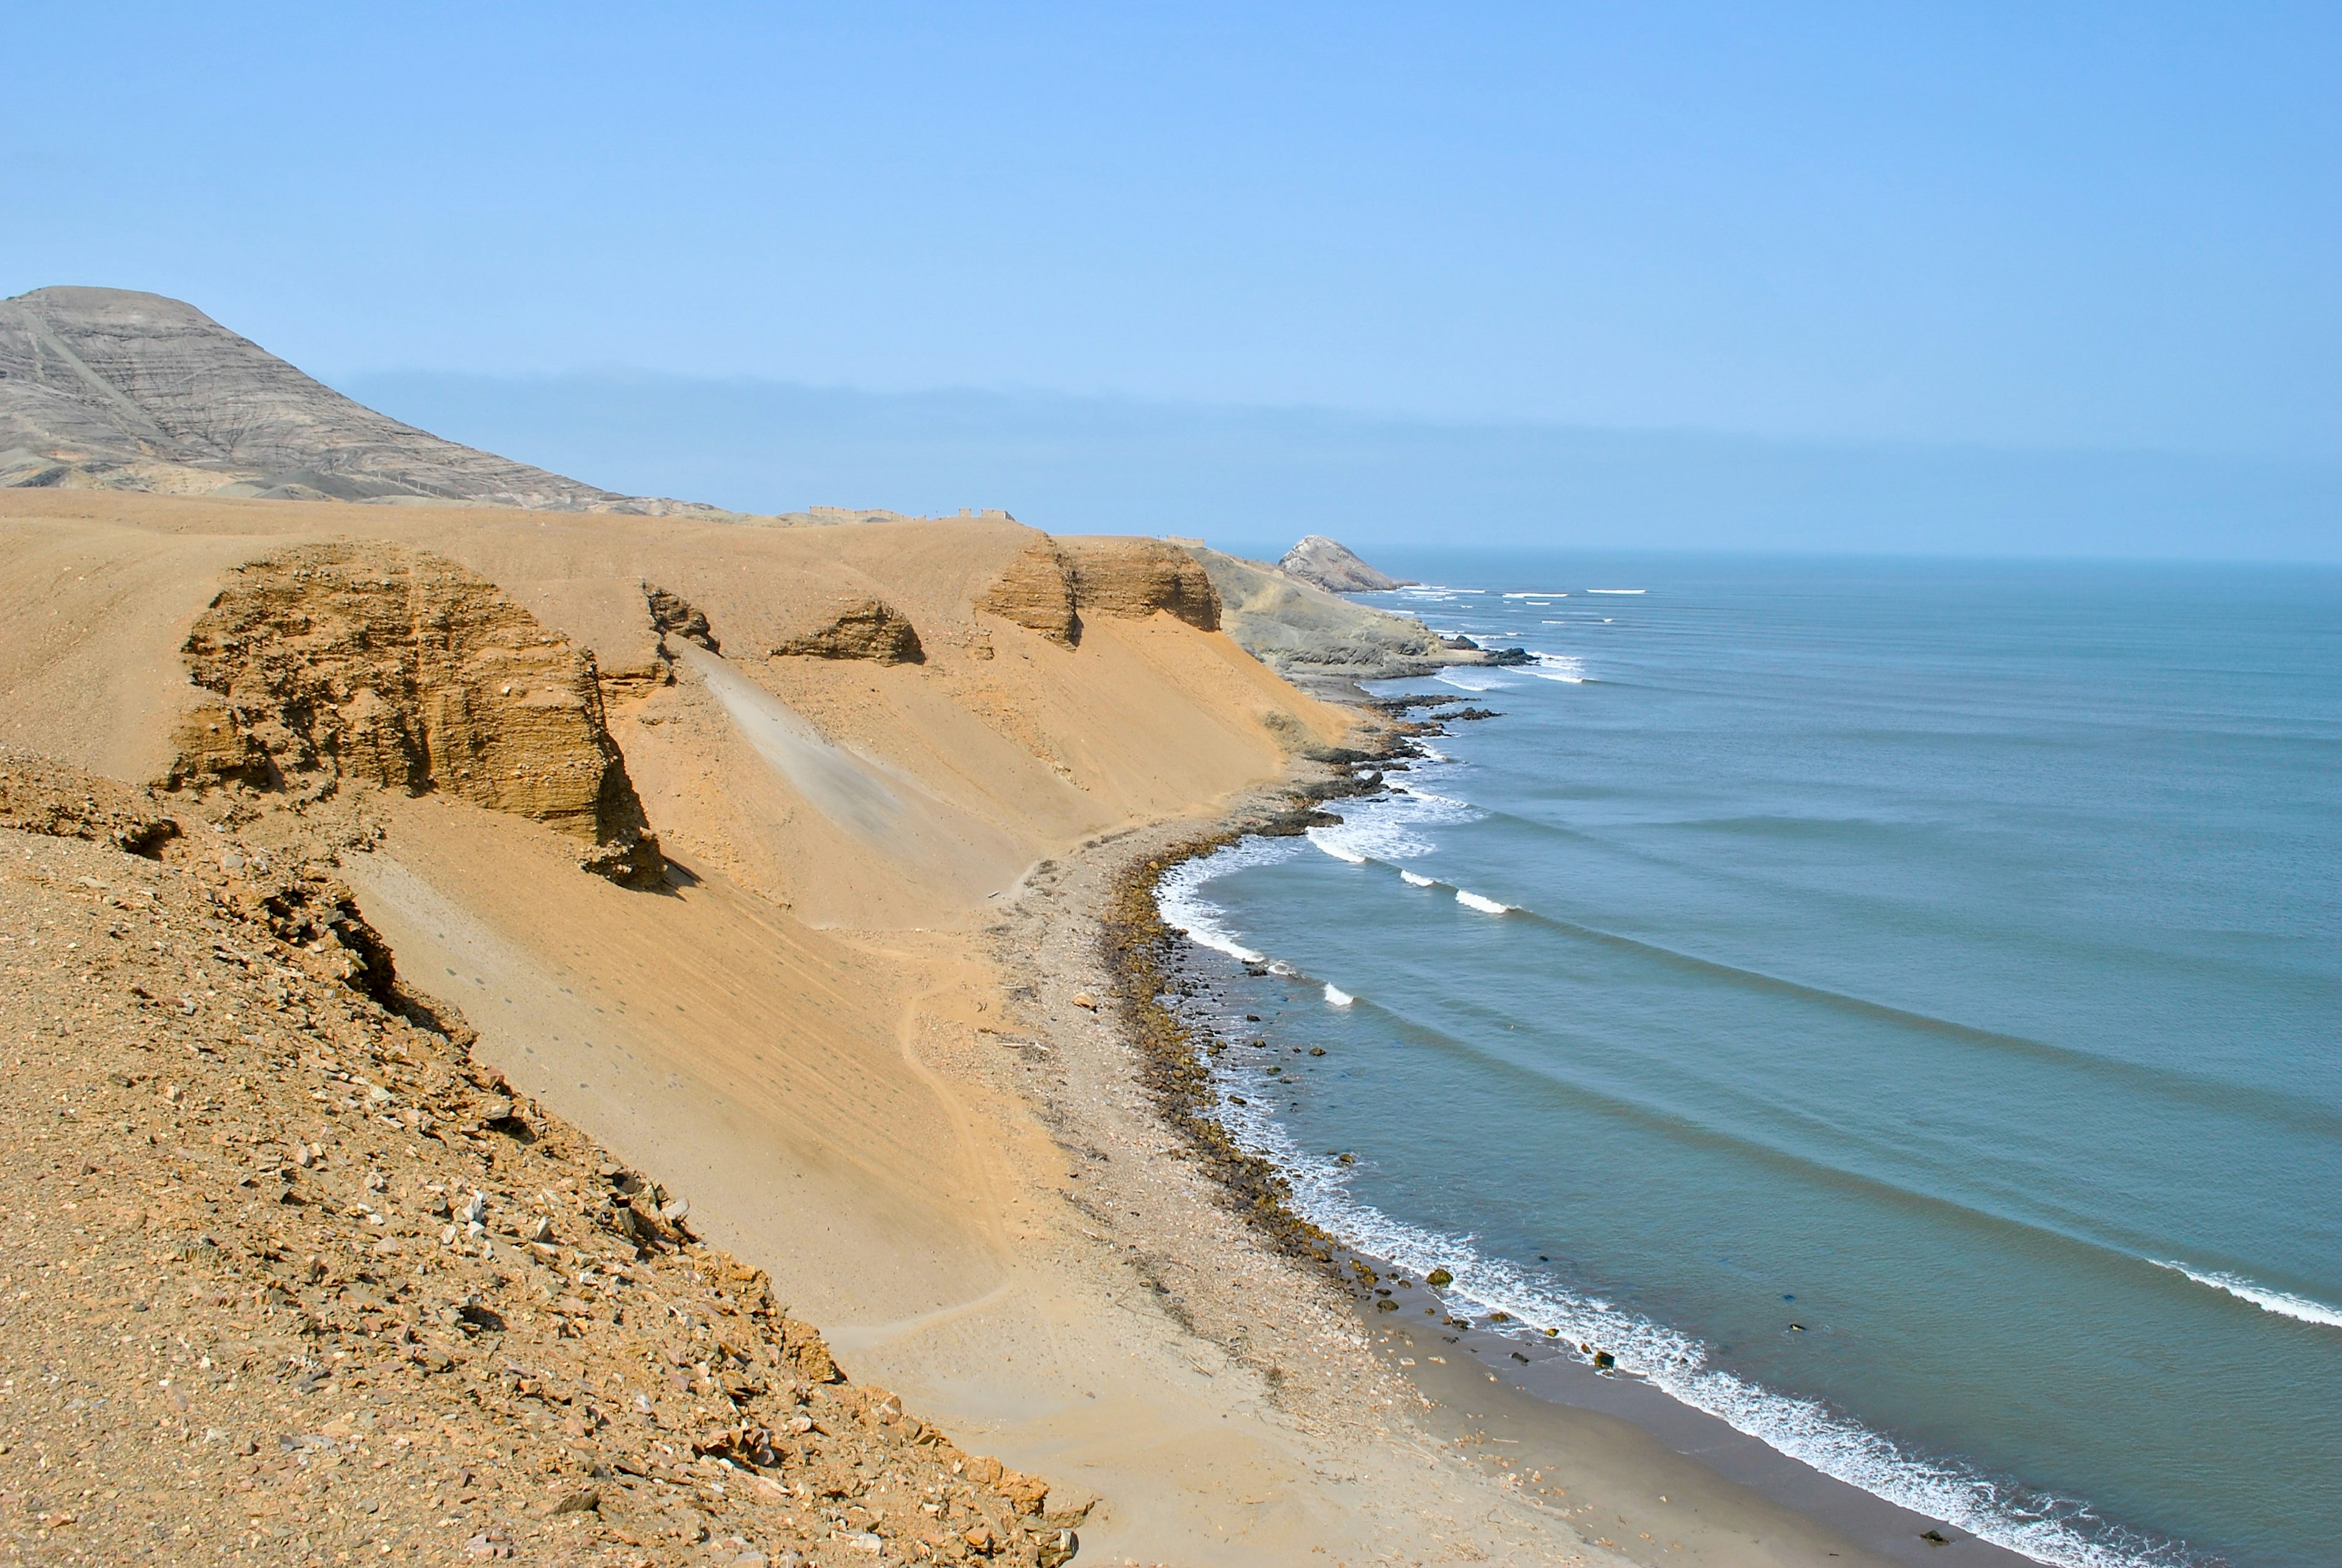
x,y
400,669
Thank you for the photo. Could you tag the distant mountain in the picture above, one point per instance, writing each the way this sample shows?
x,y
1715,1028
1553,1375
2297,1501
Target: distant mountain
x,y
111,389
1335,568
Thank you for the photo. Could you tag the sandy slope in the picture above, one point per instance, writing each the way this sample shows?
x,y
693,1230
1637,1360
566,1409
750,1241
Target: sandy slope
x,y
834,1029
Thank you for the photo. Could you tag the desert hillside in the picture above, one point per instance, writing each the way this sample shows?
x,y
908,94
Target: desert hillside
x,y
113,389
703,829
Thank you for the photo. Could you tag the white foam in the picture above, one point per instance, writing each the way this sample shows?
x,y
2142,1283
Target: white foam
x,y
1617,590
1391,827
1413,880
1677,1364
1484,905
1539,593
2283,1303
1469,683
1337,997
1560,667
1180,901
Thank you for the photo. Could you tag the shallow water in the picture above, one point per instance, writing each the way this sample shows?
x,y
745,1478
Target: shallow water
x,y
1894,1006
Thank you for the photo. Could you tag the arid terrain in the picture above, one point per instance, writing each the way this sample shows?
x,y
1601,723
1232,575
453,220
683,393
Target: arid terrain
x,y
521,1020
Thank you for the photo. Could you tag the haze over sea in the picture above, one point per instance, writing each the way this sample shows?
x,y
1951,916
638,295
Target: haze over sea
x,y
1891,1006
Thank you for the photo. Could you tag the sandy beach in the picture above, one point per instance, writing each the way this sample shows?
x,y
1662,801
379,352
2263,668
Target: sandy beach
x,y
885,1059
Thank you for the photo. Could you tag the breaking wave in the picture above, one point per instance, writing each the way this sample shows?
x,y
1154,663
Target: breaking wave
x,y
2283,1303
2049,1529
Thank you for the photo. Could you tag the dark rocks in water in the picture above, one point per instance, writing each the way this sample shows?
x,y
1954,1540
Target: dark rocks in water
x,y
1294,824
1463,715
1604,1360
1439,1279
1342,788
1460,643
1511,656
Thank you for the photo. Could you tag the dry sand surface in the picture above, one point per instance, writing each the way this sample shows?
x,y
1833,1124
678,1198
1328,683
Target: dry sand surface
x,y
846,1027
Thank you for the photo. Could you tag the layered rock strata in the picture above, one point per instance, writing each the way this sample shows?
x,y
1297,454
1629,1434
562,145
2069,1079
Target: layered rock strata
x,y
1050,585
1036,590
401,669
865,628
113,389
1137,578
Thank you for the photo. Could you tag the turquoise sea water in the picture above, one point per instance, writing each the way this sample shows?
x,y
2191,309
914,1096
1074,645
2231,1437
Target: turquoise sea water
x,y
1894,1006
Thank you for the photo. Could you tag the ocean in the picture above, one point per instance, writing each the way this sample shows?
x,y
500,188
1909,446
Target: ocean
x,y
1893,1007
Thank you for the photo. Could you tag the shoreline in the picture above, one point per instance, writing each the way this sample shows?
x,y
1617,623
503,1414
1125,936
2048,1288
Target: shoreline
x,y
1554,1403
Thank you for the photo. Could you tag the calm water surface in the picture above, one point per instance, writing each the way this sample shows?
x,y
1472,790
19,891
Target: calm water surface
x,y
1893,1007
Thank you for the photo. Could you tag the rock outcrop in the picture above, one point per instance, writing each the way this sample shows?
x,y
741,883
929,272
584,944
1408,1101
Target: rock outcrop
x,y
1053,582
1307,634
108,388
673,615
403,670
868,629
1035,590
1333,566
1137,578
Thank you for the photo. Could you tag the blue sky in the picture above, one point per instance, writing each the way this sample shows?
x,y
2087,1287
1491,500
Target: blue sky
x,y
2000,229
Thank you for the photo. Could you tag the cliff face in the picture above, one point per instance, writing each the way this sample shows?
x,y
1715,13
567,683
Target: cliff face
x,y
403,670
1054,581
1137,578
1035,590
108,388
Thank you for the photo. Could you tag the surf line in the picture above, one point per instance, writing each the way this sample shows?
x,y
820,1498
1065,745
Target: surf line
x,y
2283,1304
1464,896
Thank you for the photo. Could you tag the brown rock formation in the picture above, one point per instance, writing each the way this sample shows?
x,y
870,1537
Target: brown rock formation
x,y
1137,578
403,670
1035,590
1054,581
861,629
672,613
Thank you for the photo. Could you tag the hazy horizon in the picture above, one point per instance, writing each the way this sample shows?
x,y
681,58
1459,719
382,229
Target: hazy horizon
x,y
1253,477
2054,278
